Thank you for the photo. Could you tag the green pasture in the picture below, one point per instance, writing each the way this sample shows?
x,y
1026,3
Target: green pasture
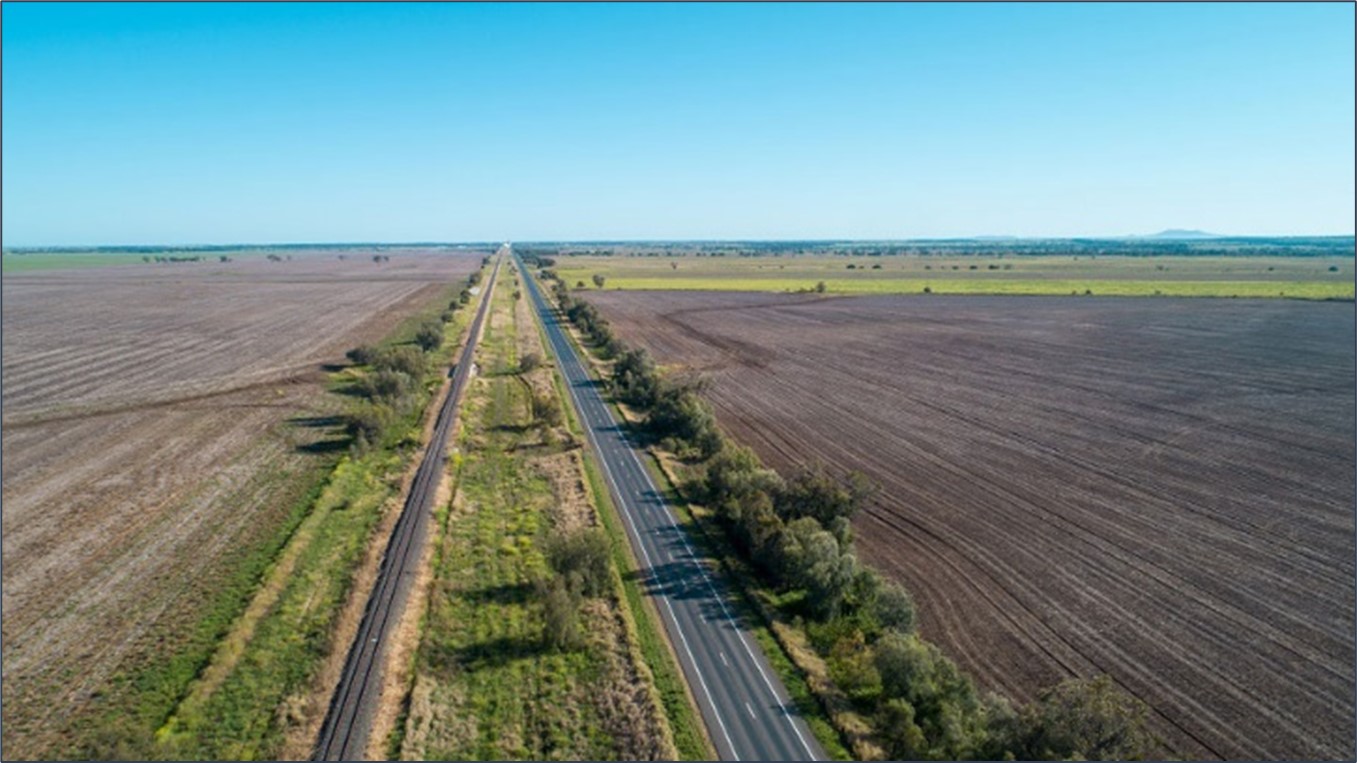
x,y
1291,277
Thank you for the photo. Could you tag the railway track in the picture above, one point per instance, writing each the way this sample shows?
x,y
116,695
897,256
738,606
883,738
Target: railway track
x,y
344,735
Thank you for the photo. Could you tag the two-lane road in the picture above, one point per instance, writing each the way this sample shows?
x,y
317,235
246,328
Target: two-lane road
x,y
746,708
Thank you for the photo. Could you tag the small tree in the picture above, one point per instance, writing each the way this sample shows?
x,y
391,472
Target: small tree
x,y
814,493
813,559
820,287
581,560
1083,719
599,280
947,712
429,336
367,425
894,608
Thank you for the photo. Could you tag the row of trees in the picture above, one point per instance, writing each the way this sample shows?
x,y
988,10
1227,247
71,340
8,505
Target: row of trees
x,y
178,258
675,414
392,379
797,535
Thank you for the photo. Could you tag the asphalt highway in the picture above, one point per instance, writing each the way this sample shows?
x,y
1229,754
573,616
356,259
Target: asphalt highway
x,y
747,710
344,735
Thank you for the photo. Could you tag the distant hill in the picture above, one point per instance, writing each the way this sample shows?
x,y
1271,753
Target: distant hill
x,y
1180,233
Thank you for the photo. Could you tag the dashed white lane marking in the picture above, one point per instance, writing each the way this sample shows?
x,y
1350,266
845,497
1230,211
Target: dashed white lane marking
x,y
723,659
751,711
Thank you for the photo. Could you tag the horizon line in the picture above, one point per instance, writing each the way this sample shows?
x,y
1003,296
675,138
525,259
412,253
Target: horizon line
x,y
983,238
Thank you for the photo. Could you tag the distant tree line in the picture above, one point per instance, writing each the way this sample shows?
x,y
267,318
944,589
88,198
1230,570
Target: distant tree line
x,y
177,258
796,534
1231,246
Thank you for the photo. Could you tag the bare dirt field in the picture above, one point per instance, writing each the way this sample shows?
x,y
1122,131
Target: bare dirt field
x,y
1159,489
151,443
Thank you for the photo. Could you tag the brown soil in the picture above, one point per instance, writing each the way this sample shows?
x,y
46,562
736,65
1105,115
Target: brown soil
x,y
157,422
1157,489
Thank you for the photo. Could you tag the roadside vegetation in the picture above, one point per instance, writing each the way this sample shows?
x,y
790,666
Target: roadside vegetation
x,y
528,649
789,542
260,689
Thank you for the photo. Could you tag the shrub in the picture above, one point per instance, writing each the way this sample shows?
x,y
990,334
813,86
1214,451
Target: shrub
x,y
429,336
581,560
407,360
560,616
367,425
530,361
545,412
361,355
599,280
820,287
851,667
385,385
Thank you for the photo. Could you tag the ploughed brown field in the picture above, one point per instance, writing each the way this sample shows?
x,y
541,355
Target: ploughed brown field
x,y
154,433
1158,489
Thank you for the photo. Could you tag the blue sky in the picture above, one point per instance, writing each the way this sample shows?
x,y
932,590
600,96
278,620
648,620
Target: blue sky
x,y
132,123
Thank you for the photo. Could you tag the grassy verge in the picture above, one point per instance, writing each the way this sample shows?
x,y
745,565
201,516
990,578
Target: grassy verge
x,y
487,684
256,686
689,732
689,735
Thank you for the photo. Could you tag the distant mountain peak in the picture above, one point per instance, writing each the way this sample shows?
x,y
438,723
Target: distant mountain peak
x,y
1182,233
